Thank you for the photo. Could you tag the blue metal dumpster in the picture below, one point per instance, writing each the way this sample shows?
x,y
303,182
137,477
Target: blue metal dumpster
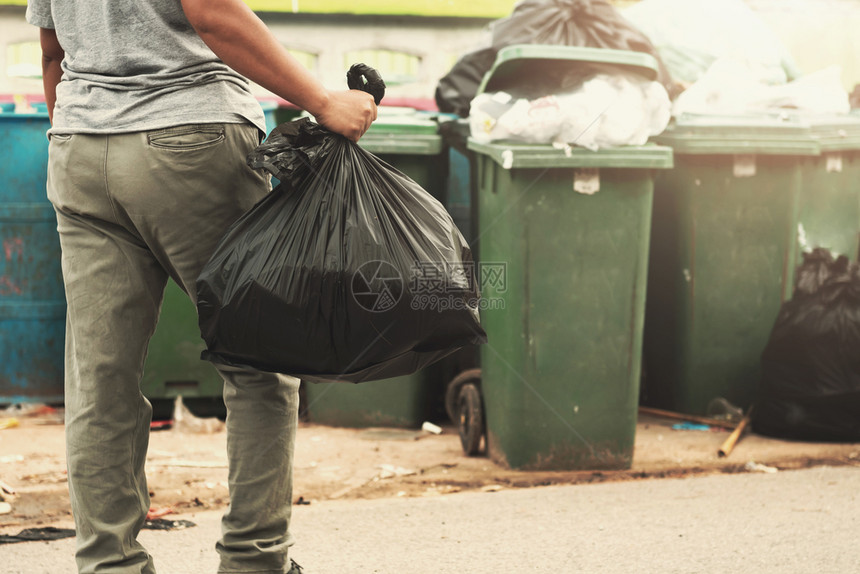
x,y
32,300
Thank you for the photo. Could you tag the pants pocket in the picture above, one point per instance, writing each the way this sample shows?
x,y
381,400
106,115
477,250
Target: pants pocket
x,y
186,138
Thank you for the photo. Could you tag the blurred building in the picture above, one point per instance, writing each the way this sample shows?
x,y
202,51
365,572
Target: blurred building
x,y
415,43
413,50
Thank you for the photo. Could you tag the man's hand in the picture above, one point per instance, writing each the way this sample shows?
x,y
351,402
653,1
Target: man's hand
x,y
349,113
244,43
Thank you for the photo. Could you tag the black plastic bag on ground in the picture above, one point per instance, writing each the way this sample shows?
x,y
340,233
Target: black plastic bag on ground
x,y
347,271
810,387
585,23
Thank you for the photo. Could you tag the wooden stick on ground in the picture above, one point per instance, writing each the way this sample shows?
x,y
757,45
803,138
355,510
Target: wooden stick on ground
x,y
692,418
735,437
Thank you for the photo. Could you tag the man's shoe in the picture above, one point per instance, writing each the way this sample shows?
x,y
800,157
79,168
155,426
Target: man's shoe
x,y
294,568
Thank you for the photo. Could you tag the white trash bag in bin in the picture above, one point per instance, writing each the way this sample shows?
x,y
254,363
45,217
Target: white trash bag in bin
x,y
604,111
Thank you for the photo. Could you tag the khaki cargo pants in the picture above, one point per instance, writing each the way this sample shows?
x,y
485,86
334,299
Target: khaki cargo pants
x,y
132,210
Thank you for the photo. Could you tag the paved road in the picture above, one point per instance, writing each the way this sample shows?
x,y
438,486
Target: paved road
x,y
790,522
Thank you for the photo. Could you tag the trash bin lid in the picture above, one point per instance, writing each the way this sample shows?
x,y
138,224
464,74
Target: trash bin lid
x,y
402,131
767,134
835,133
403,121
521,155
513,62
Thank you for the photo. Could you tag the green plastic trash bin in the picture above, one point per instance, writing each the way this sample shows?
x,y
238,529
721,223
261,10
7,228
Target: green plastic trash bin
x,y
563,264
829,202
563,279
723,254
409,141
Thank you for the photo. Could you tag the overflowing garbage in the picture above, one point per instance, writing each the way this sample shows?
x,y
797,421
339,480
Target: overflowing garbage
x,y
730,62
605,110
733,87
712,57
810,386
692,35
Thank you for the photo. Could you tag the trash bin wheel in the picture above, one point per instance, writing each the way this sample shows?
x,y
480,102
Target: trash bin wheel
x,y
471,419
452,393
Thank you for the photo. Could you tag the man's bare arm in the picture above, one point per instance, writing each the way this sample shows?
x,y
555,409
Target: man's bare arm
x,y
52,57
244,43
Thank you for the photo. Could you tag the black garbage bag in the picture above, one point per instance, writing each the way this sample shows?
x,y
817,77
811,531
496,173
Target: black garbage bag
x,y
347,271
810,387
586,23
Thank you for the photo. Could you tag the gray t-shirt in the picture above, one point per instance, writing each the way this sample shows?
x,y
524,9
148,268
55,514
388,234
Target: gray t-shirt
x,y
137,65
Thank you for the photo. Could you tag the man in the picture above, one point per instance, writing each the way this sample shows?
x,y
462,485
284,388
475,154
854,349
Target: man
x,y
150,129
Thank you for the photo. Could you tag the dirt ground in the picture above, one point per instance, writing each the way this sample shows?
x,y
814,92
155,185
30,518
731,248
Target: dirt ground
x,y
187,466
